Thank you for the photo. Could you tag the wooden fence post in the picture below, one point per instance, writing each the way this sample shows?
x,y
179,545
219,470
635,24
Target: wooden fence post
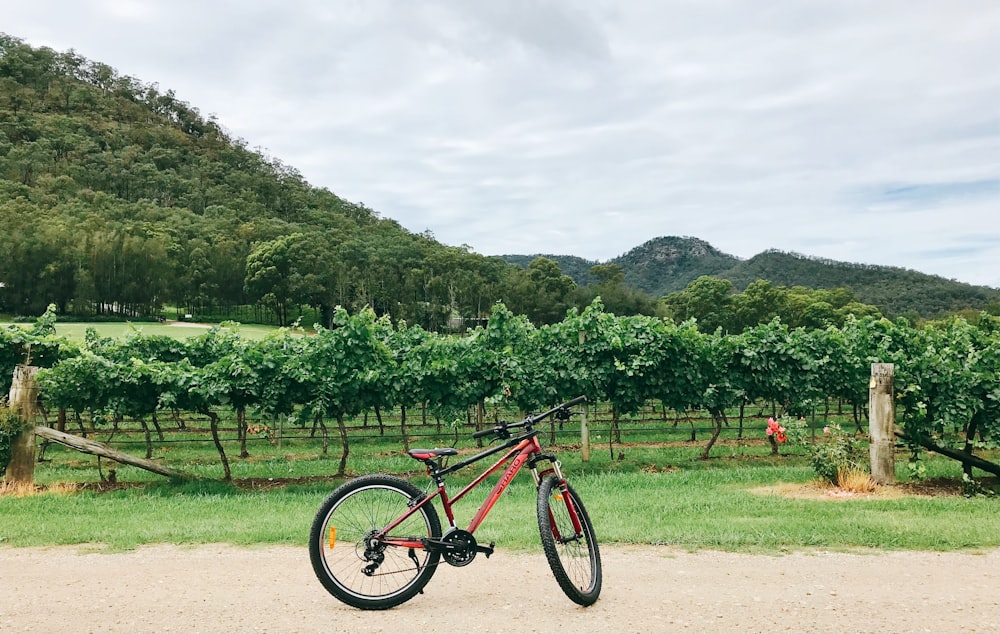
x,y
584,430
23,398
881,423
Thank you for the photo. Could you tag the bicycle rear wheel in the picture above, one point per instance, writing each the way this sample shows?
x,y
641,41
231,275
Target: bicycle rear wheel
x,y
572,554
356,569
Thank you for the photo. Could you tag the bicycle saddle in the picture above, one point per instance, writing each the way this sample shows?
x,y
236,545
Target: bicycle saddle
x,y
431,454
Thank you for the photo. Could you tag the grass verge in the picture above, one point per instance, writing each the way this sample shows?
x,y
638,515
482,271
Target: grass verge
x,y
654,495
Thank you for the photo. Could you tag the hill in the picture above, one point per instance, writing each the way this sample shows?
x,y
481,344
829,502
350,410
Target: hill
x,y
893,290
117,198
668,264
657,267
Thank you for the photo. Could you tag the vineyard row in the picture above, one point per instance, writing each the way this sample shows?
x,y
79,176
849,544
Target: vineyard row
x,y
947,374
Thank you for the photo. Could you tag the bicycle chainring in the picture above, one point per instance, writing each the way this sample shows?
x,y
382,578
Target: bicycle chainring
x,y
461,548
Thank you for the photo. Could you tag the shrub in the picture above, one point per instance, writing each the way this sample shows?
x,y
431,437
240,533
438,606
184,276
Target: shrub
x,y
10,426
837,456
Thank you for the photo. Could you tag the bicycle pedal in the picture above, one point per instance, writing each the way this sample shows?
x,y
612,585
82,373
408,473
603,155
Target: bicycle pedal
x,y
486,550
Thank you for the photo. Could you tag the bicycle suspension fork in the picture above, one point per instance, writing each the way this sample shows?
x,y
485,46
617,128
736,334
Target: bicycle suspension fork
x,y
564,494
556,468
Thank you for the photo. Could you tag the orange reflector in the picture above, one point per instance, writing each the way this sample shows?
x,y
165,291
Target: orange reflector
x,y
559,496
333,535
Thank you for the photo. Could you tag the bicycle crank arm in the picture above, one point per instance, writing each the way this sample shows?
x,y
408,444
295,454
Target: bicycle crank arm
x,y
486,550
442,546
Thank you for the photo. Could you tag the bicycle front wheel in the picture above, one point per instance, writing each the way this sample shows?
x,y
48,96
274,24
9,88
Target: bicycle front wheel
x,y
569,541
355,568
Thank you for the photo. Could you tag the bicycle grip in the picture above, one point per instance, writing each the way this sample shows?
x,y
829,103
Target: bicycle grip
x,y
483,433
575,401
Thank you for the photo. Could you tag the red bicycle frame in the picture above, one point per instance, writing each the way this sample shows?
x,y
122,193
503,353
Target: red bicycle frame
x,y
524,449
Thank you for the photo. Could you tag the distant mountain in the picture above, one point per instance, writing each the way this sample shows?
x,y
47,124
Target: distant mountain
x,y
668,264
894,290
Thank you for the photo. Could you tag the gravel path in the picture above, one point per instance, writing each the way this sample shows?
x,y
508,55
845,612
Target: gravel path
x,y
221,588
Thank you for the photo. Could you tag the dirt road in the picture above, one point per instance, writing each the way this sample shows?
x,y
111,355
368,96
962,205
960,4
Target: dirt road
x,y
652,589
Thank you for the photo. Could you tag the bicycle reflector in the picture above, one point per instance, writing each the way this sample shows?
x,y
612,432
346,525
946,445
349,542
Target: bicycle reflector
x,y
333,535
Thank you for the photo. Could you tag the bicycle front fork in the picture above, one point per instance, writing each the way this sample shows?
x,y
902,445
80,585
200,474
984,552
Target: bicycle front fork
x,y
556,468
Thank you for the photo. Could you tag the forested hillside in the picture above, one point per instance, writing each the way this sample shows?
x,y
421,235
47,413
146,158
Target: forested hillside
x,y
670,264
118,198
894,290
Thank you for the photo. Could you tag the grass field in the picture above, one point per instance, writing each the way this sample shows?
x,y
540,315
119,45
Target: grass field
x,y
75,331
743,499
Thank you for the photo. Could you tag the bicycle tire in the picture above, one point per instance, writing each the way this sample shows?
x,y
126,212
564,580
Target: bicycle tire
x,y
574,558
357,509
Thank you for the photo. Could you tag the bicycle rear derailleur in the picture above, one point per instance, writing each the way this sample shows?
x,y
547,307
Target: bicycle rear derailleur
x,y
458,547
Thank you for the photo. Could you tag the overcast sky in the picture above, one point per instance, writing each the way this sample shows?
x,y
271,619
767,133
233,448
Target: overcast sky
x,y
863,131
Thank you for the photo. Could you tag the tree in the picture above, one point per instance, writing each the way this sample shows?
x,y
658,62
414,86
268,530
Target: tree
x,y
614,295
272,275
708,300
758,304
541,291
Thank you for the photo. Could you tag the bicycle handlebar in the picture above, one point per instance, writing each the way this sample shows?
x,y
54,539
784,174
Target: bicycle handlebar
x,y
575,401
500,430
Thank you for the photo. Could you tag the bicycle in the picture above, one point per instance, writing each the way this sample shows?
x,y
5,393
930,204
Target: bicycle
x,y
376,540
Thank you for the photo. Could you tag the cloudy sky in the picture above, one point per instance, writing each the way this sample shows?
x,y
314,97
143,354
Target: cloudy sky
x,y
864,131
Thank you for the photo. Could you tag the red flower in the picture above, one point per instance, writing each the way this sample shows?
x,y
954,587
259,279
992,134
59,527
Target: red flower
x,y
776,430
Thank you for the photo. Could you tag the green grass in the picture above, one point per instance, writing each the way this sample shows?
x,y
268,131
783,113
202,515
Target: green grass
x,y
654,495
716,509
75,331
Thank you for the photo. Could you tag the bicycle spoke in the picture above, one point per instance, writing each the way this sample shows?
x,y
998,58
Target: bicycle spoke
x,y
573,556
358,568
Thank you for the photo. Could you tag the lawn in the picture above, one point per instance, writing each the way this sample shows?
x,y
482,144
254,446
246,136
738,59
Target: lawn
x,y
743,499
75,331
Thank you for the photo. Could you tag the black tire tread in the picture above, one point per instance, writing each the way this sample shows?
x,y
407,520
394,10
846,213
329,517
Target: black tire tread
x,y
316,537
582,597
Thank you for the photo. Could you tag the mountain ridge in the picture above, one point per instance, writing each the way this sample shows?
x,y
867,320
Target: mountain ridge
x,y
667,264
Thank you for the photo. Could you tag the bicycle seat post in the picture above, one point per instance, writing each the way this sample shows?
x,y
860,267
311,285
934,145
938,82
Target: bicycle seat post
x,y
434,471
